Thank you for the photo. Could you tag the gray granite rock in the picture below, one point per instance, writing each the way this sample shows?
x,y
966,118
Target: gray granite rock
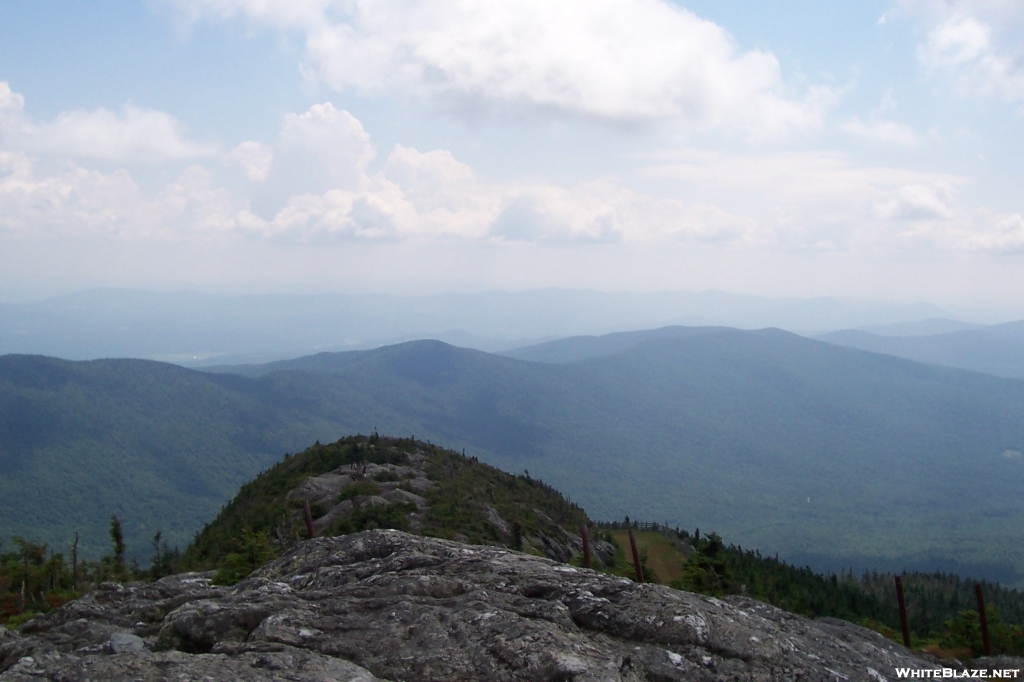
x,y
399,495
402,607
124,643
283,663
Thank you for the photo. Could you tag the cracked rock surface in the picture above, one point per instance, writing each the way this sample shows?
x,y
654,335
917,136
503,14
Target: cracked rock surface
x,y
388,605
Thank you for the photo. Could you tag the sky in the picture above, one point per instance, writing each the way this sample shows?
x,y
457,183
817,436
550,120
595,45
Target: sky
x,y
867,149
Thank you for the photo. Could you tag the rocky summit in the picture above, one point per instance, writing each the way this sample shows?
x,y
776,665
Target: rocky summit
x,y
384,604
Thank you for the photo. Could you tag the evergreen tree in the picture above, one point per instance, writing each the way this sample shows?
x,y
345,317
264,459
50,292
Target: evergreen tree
x,y
117,537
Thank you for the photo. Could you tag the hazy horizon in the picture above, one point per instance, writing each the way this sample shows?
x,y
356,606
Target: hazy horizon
x,y
202,329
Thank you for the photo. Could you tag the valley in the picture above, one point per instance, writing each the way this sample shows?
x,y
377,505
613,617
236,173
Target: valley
x,y
831,457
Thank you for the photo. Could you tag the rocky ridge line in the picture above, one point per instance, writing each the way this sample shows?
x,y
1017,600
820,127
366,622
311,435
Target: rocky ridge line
x,y
389,605
335,495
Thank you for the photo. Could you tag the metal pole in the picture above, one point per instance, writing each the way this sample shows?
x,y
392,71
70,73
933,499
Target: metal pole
x,y
586,545
984,620
309,519
636,558
903,612
74,564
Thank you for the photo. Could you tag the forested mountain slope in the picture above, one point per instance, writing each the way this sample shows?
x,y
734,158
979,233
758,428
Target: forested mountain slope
x,y
823,454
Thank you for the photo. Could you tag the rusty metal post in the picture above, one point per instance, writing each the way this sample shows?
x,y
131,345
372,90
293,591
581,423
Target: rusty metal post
x,y
309,519
636,558
586,545
984,620
74,564
903,612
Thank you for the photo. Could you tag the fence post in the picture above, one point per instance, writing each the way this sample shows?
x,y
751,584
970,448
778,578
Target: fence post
x,y
903,612
74,564
309,519
586,545
984,620
636,558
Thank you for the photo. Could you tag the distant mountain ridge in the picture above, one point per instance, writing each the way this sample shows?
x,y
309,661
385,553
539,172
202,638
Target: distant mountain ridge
x,y
199,330
576,348
928,327
996,349
827,455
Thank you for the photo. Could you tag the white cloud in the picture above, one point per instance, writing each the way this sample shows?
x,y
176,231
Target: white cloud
x,y
448,197
420,196
995,233
790,202
788,178
601,211
979,42
77,199
432,195
375,211
134,134
12,106
611,60
880,130
817,200
329,143
81,203
918,202
255,158
980,231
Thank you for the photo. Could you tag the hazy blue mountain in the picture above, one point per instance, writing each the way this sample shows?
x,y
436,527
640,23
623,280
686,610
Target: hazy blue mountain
x,y
824,454
997,350
928,327
1008,330
197,330
577,348
321,362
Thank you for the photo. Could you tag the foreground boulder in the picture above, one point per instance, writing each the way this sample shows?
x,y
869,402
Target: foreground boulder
x,y
388,605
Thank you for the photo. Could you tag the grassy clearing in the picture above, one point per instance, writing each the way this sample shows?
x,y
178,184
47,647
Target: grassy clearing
x,y
662,557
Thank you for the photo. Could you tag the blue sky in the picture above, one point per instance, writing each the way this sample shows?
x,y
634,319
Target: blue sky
x,y
868,149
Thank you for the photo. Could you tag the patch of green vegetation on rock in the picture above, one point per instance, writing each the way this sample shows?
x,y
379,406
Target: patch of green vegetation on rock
x,y
358,489
467,491
370,517
261,505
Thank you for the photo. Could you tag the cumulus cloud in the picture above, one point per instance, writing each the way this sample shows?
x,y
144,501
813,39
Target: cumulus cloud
x,y
333,139
414,196
255,159
85,201
78,202
611,60
794,201
448,197
432,195
988,231
12,104
133,134
977,41
918,202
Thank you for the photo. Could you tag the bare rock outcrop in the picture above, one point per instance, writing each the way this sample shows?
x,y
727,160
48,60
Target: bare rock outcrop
x,y
335,496
393,606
